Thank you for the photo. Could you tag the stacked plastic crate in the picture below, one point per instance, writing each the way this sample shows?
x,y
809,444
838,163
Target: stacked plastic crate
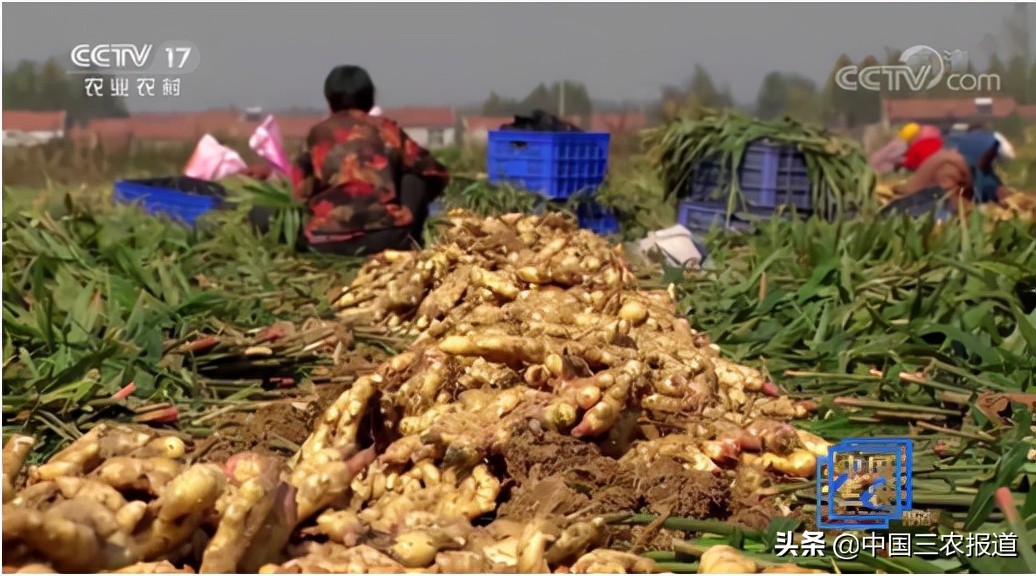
x,y
770,176
557,165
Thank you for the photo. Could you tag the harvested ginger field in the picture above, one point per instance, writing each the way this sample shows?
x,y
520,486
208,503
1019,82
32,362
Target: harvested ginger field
x,y
519,397
542,392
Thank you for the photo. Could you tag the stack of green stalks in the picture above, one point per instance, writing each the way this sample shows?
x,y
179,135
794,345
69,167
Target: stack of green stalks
x,y
899,328
101,301
897,295
841,182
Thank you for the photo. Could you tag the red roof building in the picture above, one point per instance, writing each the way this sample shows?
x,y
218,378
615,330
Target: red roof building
x,y
1027,111
477,128
936,111
618,122
297,127
112,134
422,117
31,121
27,128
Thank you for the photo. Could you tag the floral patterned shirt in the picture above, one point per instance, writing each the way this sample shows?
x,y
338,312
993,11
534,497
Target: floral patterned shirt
x,y
350,173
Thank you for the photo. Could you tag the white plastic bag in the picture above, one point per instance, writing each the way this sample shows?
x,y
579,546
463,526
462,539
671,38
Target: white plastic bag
x,y
1006,150
675,244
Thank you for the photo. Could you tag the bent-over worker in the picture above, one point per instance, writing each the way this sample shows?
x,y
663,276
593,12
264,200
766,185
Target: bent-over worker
x,y
916,139
964,170
922,143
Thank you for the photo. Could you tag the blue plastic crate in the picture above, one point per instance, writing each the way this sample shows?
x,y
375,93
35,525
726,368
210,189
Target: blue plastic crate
x,y
769,176
601,220
556,165
182,198
701,216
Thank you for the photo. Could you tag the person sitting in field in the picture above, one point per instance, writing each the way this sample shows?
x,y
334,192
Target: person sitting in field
x,y
964,170
366,183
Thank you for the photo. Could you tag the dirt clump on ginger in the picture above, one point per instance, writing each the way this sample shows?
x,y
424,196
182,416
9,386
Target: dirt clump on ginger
x,y
276,427
601,484
668,487
542,391
545,466
751,505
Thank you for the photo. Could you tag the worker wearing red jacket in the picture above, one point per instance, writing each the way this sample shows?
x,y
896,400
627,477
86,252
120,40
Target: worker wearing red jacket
x,y
922,143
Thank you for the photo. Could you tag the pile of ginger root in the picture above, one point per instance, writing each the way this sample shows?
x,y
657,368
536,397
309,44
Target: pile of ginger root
x,y
520,324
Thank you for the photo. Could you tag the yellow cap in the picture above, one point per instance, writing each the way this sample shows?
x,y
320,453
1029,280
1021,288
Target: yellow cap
x,y
908,132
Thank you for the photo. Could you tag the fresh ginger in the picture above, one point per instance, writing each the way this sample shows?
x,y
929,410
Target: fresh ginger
x,y
722,559
522,325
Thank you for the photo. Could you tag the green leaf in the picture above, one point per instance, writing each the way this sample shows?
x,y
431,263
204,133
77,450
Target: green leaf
x,y
971,343
1007,469
776,526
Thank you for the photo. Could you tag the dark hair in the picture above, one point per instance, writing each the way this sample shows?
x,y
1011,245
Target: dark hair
x,y
349,88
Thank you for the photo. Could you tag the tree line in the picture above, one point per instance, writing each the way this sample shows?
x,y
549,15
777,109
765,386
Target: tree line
x,y
782,94
575,101
48,86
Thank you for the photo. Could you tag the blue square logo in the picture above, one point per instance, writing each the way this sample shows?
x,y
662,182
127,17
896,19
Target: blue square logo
x,y
863,483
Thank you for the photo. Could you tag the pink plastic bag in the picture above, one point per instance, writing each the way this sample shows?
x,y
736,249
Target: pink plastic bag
x,y
212,160
267,143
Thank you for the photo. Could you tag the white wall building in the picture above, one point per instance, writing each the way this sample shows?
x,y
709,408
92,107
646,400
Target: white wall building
x,y
28,128
431,128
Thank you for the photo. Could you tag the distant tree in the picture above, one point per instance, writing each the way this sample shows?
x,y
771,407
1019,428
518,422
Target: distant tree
x,y
865,104
577,99
702,92
54,88
772,100
698,92
995,65
497,106
892,55
1031,94
1016,79
850,108
790,95
31,86
668,107
892,58
538,99
725,97
20,86
803,101
838,101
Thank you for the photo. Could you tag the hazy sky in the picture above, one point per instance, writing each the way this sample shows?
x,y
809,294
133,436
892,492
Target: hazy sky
x,y
276,55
